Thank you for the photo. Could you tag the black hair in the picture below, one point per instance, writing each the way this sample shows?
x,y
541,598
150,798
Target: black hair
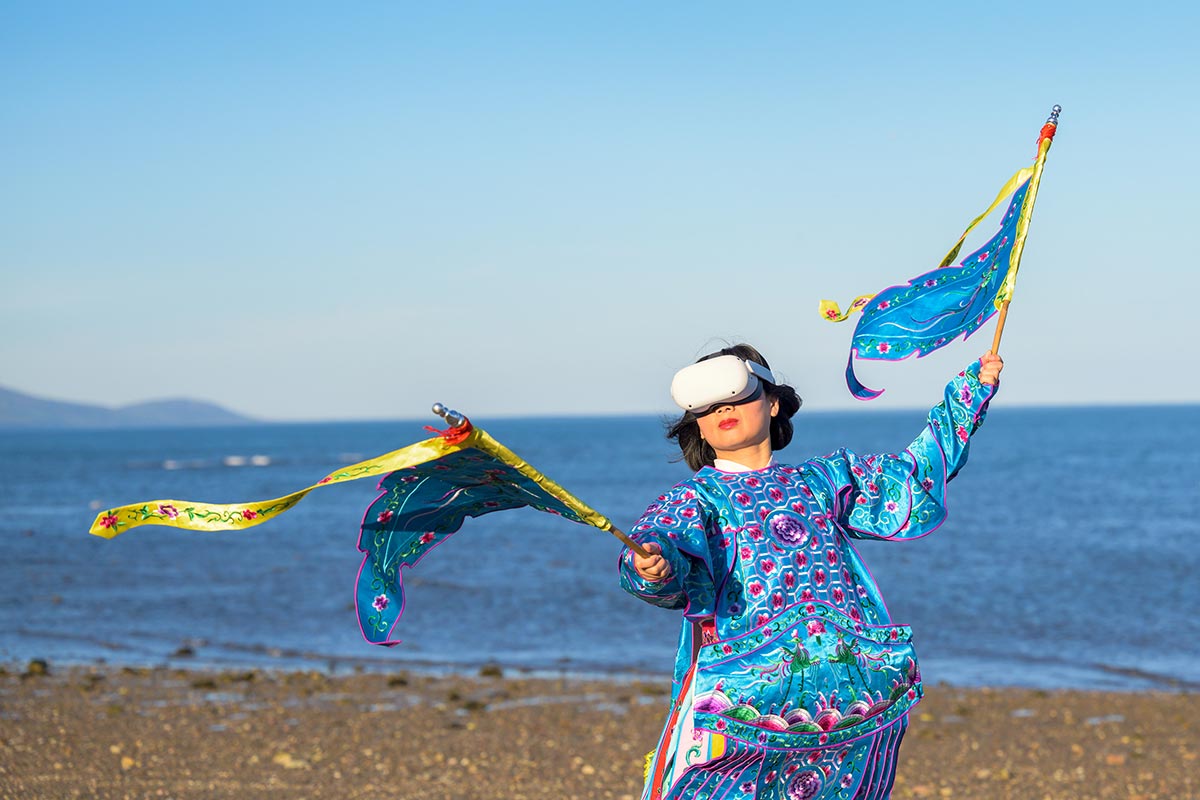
x,y
685,431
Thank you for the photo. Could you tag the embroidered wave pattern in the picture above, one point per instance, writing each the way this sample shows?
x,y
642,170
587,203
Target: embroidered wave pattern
x,y
808,680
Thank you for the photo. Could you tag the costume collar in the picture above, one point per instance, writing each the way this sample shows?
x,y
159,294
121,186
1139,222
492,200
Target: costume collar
x,y
725,465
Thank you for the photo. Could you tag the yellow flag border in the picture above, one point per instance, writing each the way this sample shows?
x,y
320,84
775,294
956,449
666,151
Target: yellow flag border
x,y
194,516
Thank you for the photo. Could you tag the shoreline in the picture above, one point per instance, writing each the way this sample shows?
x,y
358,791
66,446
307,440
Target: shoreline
x,y
171,732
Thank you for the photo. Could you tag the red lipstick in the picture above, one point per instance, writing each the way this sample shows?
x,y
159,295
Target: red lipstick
x,y
726,424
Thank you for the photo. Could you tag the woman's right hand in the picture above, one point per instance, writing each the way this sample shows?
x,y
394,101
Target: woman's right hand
x,y
655,569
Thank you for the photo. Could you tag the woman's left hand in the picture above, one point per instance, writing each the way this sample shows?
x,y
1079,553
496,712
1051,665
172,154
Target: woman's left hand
x,y
990,365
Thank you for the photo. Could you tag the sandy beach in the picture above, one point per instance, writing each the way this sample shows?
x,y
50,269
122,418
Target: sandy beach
x,y
165,733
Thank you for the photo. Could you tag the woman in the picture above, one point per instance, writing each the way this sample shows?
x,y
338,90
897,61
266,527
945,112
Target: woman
x,y
791,681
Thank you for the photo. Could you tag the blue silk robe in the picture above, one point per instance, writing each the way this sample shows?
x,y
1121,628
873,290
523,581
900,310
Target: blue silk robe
x,y
791,680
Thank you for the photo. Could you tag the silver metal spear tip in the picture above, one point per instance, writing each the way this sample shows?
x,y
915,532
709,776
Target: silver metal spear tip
x,y
452,417
1054,112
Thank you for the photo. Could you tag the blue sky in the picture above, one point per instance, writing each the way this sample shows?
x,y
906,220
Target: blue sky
x,y
349,211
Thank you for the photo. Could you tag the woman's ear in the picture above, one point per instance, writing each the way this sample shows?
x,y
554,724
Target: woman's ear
x,y
774,406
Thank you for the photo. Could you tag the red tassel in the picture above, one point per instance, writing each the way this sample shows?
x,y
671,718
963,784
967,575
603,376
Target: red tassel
x,y
1048,131
453,435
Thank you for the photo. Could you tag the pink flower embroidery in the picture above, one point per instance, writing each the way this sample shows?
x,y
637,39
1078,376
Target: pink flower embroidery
x,y
961,432
806,596
884,347
775,493
742,498
883,304
385,516
964,394
838,595
687,513
380,602
755,588
891,506
427,537
168,511
831,556
248,514
789,580
819,577
767,566
816,627
108,520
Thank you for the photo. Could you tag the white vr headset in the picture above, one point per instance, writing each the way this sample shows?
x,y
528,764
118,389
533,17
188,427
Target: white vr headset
x,y
724,380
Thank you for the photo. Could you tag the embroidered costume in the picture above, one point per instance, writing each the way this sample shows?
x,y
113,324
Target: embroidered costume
x,y
791,681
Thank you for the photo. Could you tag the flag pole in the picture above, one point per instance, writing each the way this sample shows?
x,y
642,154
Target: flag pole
x,y
1005,295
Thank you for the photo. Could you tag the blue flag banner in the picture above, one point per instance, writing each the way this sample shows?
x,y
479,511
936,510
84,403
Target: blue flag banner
x,y
935,308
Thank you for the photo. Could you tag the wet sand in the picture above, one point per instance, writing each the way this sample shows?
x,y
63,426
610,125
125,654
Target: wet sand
x,y
180,734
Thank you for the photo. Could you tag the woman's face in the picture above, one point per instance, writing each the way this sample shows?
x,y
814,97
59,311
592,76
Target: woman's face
x,y
733,429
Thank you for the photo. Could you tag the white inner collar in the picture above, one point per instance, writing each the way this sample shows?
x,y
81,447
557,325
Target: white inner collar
x,y
725,465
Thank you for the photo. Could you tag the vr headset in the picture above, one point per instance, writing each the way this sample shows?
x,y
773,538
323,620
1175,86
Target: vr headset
x,y
724,380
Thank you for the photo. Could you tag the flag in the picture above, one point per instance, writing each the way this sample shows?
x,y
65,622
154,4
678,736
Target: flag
x,y
428,489
935,308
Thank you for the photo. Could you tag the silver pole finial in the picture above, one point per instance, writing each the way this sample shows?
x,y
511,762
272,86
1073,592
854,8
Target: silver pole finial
x,y
1054,112
451,417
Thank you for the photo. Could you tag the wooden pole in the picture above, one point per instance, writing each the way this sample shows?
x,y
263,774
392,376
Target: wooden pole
x,y
630,543
999,328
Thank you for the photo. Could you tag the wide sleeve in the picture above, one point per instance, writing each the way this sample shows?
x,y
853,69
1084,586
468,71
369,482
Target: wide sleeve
x,y
903,496
678,522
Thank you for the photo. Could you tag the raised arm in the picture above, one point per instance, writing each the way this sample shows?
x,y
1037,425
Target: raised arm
x,y
902,496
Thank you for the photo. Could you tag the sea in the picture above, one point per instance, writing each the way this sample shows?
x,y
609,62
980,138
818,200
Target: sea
x,y
1071,557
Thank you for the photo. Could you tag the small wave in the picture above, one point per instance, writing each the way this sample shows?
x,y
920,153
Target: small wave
x,y
260,461
196,463
234,461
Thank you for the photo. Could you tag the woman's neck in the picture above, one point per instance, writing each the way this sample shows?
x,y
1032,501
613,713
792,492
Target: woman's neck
x,y
755,456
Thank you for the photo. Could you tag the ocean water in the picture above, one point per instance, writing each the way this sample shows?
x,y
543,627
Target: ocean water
x,y
1071,557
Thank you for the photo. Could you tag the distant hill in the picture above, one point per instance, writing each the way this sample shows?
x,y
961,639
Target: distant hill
x,y
18,410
